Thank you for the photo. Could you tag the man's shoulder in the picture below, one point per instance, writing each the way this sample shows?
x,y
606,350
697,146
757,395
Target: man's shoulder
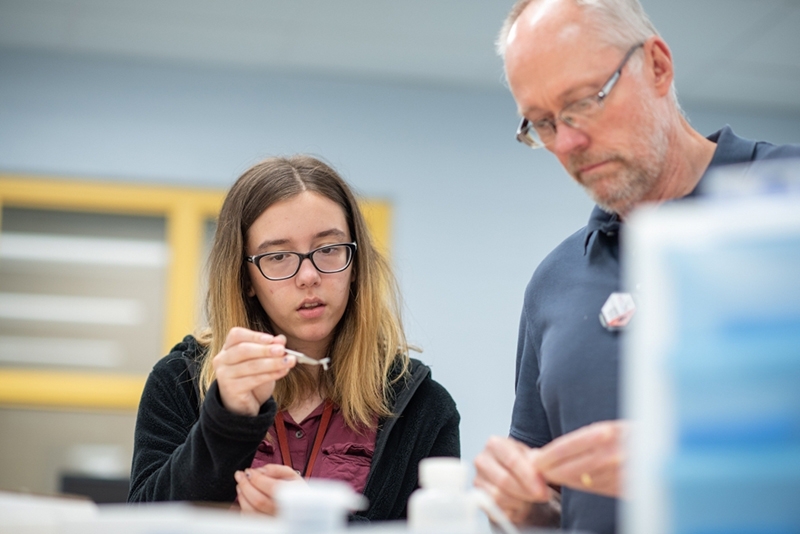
x,y
732,149
559,261
765,150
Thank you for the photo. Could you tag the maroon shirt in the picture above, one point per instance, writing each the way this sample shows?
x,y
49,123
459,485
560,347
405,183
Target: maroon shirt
x,y
345,454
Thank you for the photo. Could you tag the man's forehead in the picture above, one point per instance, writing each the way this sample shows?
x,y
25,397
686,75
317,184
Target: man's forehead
x,y
546,20
551,54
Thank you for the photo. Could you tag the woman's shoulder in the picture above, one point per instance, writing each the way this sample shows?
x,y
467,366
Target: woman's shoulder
x,y
419,384
182,364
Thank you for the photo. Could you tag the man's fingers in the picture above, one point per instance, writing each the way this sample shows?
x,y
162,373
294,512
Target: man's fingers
x,y
504,465
496,479
593,463
577,443
602,479
588,459
518,460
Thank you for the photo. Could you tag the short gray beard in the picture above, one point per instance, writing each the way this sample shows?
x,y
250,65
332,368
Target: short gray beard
x,y
636,179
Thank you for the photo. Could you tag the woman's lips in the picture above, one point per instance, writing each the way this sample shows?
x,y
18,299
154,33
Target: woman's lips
x,y
311,310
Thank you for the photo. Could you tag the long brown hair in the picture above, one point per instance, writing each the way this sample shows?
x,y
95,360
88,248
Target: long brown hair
x,y
369,339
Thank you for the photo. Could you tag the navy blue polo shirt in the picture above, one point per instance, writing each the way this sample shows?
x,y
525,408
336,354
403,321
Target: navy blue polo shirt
x,y
567,363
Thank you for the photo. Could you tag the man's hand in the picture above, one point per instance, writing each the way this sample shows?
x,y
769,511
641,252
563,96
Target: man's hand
x,y
587,459
506,470
256,487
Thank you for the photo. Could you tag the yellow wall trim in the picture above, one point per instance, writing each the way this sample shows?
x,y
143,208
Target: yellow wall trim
x,y
69,389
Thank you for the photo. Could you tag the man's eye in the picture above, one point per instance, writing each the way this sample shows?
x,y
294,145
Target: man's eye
x,y
543,125
581,106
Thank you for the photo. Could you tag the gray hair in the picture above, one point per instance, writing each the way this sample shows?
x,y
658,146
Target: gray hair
x,y
621,23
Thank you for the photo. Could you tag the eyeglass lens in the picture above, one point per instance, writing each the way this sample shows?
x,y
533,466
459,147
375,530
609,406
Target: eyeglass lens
x,y
285,264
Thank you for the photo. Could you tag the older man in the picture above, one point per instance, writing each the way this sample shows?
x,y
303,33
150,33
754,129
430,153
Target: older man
x,y
593,81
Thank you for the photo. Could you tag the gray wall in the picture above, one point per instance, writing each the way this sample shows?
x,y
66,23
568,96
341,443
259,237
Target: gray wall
x,y
474,212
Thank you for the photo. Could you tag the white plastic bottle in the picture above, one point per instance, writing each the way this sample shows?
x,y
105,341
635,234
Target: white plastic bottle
x,y
442,505
316,506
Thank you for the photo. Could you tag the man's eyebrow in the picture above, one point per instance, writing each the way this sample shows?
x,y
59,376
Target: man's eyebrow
x,y
567,97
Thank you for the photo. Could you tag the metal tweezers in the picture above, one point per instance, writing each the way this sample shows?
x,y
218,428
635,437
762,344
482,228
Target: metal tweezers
x,y
302,358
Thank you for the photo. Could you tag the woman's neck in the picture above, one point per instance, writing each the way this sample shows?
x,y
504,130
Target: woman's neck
x,y
312,349
307,401
303,407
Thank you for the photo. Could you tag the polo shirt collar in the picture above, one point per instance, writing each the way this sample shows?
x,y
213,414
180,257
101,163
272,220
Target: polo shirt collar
x,y
730,149
600,220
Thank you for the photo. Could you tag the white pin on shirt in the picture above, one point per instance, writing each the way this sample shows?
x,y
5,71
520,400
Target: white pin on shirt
x,y
617,312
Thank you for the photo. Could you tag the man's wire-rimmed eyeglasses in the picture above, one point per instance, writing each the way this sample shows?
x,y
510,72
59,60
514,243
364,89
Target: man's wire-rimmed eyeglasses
x,y
282,265
540,133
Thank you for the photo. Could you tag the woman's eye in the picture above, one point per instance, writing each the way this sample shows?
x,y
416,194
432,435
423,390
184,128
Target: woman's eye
x,y
275,258
326,250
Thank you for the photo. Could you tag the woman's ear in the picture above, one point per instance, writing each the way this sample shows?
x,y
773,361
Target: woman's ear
x,y
250,290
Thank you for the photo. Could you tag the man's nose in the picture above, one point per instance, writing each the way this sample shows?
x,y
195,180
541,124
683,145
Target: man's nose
x,y
568,140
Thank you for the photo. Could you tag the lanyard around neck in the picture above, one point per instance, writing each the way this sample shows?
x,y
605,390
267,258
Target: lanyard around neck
x,y
283,442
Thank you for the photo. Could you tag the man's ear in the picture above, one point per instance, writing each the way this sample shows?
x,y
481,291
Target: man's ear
x,y
658,59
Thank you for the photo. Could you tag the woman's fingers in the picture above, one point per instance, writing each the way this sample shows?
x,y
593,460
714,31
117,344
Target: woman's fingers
x,y
256,487
247,368
252,498
268,359
239,335
278,472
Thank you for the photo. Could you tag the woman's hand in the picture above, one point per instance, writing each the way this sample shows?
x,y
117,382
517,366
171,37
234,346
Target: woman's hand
x,y
248,366
256,487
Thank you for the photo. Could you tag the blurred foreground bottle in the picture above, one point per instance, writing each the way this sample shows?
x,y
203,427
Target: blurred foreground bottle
x,y
442,505
711,364
316,506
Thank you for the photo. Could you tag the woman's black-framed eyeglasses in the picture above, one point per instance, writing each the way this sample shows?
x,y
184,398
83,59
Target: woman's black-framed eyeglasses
x,y
284,264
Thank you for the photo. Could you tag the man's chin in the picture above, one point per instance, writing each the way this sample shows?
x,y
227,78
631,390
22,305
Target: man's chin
x,y
611,203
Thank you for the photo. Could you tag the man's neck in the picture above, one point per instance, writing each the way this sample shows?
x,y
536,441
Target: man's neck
x,y
688,156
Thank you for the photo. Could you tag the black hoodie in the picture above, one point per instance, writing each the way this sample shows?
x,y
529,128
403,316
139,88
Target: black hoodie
x,y
185,451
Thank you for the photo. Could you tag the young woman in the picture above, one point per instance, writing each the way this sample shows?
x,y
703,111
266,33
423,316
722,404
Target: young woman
x,y
228,415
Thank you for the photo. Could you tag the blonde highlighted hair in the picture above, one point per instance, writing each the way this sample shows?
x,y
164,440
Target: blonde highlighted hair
x,y
369,345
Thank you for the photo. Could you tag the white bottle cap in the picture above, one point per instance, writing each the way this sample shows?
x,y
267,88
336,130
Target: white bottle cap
x,y
442,473
316,505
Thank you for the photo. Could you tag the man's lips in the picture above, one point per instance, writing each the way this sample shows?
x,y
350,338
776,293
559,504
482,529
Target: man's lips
x,y
591,167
